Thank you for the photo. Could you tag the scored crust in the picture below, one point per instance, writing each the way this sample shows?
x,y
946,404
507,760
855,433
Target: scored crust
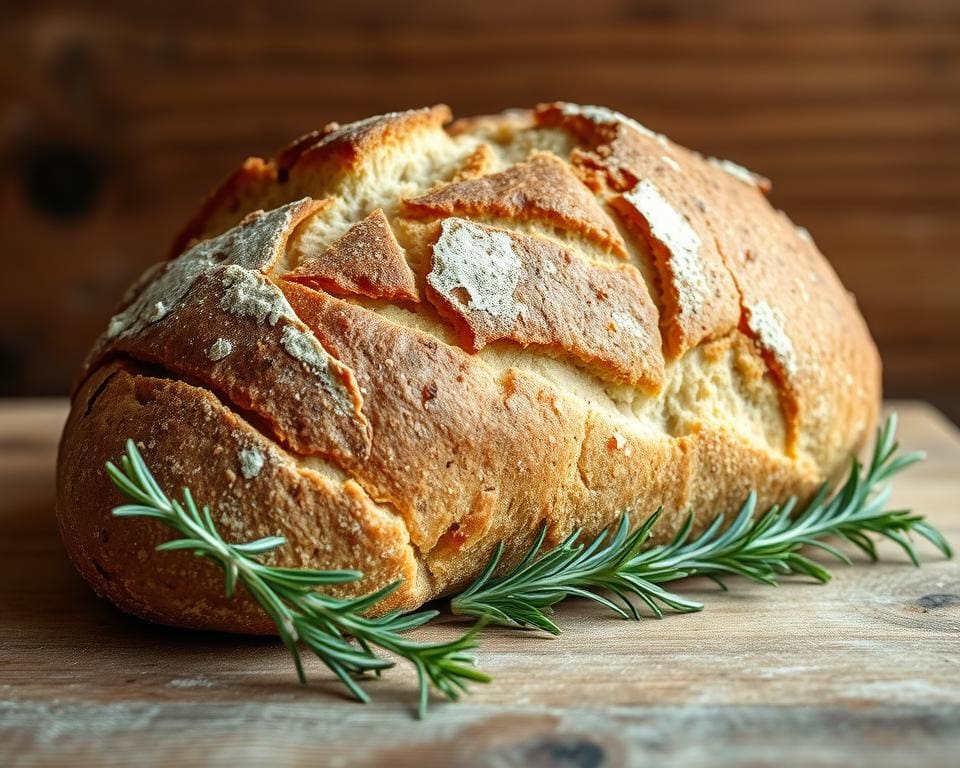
x,y
403,341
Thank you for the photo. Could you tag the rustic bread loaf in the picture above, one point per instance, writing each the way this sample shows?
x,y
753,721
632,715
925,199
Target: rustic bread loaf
x,y
404,340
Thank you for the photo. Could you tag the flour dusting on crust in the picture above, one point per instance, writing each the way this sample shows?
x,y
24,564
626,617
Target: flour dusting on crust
x,y
357,126
254,244
670,163
673,230
220,349
251,462
626,322
739,172
607,116
161,297
250,294
303,346
767,323
481,263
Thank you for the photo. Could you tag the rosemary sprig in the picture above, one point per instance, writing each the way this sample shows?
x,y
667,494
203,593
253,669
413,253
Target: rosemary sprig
x,y
762,550
290,598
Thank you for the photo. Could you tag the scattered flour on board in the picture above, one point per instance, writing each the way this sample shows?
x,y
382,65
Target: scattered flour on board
x,y
58,721
190,682
483,263
670,227
768,324
251,462
219,349
607,116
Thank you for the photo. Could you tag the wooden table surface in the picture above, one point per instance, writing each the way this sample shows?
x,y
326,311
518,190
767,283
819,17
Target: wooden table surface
x,y
865,670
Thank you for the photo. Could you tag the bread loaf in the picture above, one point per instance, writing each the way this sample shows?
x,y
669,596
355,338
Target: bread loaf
x,y
406,339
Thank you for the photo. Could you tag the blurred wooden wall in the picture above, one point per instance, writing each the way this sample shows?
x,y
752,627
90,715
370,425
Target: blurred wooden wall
x,y
117,117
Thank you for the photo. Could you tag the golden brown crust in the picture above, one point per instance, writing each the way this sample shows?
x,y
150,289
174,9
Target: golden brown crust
x,y
318,160
188,437
365,261
807,325
699,299
214,317
317,413
447,426
542,188
790,300
546,296
499,127
346,147
357,427
478,163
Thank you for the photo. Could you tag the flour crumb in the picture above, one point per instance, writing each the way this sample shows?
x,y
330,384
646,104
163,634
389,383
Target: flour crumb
x,y
219,349
251,462
116,326
158,312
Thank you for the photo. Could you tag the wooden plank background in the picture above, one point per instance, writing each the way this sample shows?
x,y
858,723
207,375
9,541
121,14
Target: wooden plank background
x,y
117,117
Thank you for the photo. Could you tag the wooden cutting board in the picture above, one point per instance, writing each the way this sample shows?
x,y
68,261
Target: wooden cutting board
x,y
864,670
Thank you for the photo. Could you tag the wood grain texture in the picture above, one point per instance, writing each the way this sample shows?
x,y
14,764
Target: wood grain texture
x,y
117,118
864,670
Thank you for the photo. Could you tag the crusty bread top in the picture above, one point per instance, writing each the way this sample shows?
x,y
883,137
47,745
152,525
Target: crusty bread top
x,y
576,191
568,243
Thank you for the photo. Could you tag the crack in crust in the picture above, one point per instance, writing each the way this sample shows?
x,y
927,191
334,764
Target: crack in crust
x,y
541,188
189,437
450,421
367,261
494,284
779,289
214,316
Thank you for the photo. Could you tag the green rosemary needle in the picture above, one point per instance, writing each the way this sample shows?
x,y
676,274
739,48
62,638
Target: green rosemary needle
x,y
761,550
290,598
